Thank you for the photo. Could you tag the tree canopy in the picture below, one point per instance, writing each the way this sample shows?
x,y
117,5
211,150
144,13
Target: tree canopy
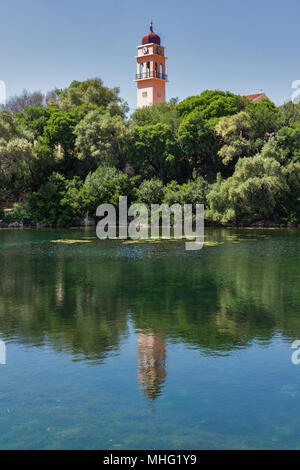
x,y
63,153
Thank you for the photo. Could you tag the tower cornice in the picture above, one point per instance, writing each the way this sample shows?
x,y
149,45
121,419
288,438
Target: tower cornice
x,y
150,44
151,78
151,55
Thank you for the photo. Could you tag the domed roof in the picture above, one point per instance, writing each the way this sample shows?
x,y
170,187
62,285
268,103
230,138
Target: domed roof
x,y
151,37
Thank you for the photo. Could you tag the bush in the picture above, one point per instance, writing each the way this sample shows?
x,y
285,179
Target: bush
x,y
193,192
58,202
20,213
106,185
151,191
254,191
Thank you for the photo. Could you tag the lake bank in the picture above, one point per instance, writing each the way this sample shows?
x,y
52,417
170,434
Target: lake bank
x,y
93,222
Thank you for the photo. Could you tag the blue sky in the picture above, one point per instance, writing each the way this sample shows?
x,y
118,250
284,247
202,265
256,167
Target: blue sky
x,y
235,45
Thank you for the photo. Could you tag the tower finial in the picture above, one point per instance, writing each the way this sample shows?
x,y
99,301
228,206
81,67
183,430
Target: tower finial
x,y
151,23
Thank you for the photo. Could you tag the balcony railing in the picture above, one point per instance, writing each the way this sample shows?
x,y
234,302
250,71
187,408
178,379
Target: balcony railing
x,y
142,76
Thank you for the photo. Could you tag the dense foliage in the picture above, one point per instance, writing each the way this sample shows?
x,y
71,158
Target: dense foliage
x,y
64,154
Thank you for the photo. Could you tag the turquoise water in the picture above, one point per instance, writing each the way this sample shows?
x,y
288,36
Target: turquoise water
x,y
120,345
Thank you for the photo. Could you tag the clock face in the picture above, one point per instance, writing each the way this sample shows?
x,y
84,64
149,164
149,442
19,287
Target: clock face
x,y
158,50
145,50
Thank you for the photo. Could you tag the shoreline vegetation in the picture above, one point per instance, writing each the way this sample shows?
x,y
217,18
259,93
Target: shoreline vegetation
x,y
92,222
64,154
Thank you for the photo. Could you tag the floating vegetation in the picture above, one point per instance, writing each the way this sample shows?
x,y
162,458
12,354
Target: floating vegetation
x,y
262,228
150,240
162,239
212,243
69,241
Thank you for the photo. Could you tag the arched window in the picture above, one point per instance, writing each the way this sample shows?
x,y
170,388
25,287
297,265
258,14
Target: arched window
x,y
148,69
141,70
156,70
161,70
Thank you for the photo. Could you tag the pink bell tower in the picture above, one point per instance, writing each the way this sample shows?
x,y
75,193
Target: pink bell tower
x,y
151,75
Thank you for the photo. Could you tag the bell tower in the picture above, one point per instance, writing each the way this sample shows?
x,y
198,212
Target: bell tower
x,y
151,75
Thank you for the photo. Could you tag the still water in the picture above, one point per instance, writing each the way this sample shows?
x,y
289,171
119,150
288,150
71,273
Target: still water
x,y
122,345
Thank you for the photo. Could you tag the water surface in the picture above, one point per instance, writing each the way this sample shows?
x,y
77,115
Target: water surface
x,y
120,345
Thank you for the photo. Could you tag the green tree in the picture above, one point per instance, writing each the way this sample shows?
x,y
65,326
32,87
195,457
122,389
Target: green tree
x,y
252,192
60,130
153,151
234,132
289,113
106,185
213,104
165,113
194,191
199,145
57,202
91,91
34,118
16,165
151,191
287,142
9,127
102,139
263,119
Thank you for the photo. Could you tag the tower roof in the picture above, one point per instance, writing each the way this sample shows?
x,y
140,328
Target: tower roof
x,y
151,37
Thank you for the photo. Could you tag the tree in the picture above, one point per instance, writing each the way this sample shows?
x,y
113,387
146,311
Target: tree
x,y
165,113
153,151
59,130
16,164
18,103
101,139
16,156
234,132
45,163
151,191
252,192
289,113
90,91
57,202
106,185
34,118
263,119
9,127
199,145
287,142
213,104
289,202
193,192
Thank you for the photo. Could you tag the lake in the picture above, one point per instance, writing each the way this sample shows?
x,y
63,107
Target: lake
x,y
143,345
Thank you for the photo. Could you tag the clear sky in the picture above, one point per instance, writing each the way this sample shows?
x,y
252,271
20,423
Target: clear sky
x,y
235,45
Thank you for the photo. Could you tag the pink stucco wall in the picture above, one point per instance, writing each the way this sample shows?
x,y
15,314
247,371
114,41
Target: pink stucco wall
x,y
150,90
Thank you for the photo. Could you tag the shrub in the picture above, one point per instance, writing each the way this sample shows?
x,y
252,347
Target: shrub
x,y
151,191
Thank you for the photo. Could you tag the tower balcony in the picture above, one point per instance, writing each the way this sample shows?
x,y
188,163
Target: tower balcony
x,y
147,75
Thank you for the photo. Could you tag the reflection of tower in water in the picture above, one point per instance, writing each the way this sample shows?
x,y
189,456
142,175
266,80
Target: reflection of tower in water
x,y
151,358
